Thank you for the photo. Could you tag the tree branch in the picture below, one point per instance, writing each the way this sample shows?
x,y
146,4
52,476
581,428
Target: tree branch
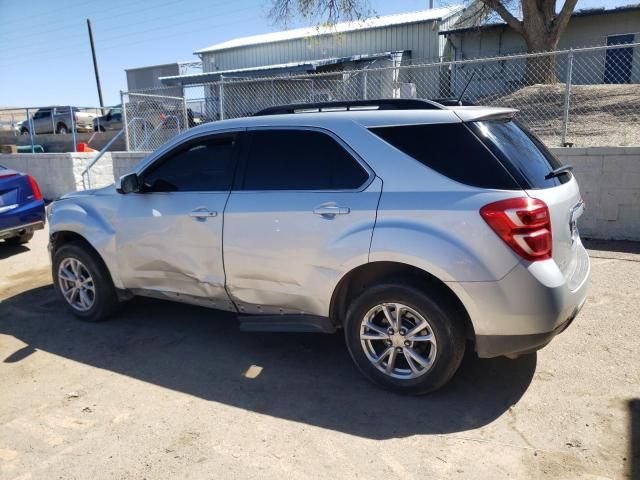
x,y
506,15
561,21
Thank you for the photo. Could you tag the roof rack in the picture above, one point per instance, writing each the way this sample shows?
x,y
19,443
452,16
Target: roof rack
x,y
352,105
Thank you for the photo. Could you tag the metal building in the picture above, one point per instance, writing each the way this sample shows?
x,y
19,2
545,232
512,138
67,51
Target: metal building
x,y
383,41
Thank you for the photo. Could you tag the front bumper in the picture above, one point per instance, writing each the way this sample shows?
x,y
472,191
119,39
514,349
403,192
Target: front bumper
x,y
527,308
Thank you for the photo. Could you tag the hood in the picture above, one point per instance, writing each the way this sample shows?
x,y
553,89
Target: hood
x,y
108,190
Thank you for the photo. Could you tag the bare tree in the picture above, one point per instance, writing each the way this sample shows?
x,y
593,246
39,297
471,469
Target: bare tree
x,y
323,11
541,27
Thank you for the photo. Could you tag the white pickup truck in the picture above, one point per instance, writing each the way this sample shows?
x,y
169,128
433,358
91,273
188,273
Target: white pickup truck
x,y
58,120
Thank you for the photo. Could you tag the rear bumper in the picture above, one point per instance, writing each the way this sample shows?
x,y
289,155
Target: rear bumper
x,y
25,218
527,308
489,346
21,230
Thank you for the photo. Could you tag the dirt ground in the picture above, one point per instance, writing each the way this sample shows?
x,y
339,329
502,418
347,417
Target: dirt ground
x,y
166,391
599,115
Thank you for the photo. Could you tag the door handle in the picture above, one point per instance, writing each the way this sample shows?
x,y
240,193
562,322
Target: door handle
x,y
331,210
202,213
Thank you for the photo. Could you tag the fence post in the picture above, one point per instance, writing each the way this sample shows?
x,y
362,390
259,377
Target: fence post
x,y
365,85
221,97
567,95
30,123
73,129
124,119
184,109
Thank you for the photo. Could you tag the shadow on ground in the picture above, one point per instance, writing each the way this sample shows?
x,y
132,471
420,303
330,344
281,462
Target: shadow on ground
x,y
305,378
9,250
619,246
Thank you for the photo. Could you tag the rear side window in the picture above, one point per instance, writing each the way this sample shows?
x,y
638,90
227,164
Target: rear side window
x,y
521,152
300,160
452,150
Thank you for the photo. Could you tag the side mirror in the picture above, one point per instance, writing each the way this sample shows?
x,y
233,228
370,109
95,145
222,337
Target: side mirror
x,y
129,183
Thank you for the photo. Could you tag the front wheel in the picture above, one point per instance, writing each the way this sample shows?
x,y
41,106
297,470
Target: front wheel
x,y
403,339
83,282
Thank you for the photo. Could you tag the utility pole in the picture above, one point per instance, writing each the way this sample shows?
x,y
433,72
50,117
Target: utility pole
x,y
95,66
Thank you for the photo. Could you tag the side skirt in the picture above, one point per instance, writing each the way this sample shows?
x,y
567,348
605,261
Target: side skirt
x,y
286,323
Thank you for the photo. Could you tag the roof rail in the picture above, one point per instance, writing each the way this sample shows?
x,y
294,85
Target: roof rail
x,y
350,105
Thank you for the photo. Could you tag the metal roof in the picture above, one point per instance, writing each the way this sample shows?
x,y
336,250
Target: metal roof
x,y
464,27
375,22
267,70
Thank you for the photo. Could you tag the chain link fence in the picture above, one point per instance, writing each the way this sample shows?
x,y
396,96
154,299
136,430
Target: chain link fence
x,y
581,97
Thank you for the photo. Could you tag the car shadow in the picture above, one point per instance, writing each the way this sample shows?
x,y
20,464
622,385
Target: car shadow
x,y
9,250
300,377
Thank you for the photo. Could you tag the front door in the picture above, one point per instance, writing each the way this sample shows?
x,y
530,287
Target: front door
x,y
300,216
169,236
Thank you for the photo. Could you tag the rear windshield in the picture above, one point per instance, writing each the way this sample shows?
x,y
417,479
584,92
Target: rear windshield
x,y
524,155
452,150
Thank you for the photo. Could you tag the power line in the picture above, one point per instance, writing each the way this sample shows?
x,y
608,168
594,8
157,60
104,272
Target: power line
x,y
182,33
30,50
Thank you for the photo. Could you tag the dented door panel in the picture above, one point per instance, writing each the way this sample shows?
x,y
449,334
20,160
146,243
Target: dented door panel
x,y
172,242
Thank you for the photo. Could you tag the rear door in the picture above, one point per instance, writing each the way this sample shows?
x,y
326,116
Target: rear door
x,y
531,162
300,216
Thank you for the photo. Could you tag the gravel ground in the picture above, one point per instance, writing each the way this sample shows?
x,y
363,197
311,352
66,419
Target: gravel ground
x,y
171,391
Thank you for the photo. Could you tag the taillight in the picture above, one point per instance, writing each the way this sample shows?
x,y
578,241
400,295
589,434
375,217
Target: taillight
x,y
37,194
524,224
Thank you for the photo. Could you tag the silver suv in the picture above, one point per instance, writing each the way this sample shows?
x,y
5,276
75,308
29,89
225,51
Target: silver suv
x,y
420,230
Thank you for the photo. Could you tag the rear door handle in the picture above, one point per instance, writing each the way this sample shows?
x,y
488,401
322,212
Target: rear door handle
x,y
202,213
331,210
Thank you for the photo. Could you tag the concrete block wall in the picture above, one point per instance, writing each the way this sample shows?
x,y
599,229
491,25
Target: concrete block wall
x,y
123,162
609,179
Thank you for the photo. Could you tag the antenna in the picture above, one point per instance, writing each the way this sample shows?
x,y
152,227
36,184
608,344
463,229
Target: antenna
x,y
465,87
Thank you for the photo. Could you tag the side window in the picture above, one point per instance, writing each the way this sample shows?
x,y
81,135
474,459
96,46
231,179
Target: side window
x,y
452,150
204,166
42,114
300,160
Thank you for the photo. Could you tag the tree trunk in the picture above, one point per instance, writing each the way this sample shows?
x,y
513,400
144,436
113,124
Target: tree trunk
x,y
541,68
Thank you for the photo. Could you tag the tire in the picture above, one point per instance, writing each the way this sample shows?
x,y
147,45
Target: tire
x,y
104,300
442,355
24,131
20,239
62,129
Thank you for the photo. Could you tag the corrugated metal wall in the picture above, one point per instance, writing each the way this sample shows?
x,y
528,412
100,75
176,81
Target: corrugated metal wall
x,y
421,39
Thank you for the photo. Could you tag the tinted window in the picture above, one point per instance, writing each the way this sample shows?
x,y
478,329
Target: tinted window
x,y
200,167
300,160
520,151
452,150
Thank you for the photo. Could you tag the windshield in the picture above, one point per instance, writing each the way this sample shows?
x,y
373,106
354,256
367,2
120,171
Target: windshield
x,y
524,155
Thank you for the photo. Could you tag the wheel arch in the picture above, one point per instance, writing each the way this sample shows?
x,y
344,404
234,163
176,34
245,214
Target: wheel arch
x,y
356,280
64,237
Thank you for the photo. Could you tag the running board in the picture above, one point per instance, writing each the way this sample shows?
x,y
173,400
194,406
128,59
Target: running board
x,y
286,323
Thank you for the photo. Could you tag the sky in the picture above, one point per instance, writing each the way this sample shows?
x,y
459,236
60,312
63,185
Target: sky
x,y
45,58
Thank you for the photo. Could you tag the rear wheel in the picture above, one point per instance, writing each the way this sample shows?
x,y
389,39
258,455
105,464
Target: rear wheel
x,y
403,339
62,129
20,239
83,283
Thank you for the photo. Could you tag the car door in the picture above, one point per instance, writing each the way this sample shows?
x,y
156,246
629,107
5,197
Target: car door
x,y
169,235
42,121
300,216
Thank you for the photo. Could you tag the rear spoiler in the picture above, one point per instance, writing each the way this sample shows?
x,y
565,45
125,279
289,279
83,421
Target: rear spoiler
x,y
473,114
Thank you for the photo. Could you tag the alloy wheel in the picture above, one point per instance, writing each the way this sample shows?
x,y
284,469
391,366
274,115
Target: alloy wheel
x,y
398,340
